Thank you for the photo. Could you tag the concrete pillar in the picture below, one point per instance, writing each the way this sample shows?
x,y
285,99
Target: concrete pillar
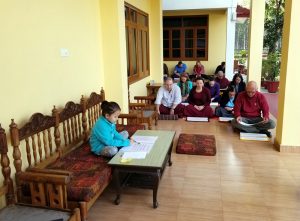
x,y
256,40
230,39
288,122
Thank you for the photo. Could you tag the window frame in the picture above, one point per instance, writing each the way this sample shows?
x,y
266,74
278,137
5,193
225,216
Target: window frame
x,y
182,47
138,64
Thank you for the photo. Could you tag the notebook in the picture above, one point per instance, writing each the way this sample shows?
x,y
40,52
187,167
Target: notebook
x,y
197,119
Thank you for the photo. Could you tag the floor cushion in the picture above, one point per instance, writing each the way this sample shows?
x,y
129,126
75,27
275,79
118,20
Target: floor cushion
x,y
196,144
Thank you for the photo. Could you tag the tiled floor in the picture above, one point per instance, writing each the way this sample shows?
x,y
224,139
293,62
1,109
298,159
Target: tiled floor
x,y
246,180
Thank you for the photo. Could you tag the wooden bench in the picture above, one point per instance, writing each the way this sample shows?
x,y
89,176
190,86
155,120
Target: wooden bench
x,y
39,210
59,145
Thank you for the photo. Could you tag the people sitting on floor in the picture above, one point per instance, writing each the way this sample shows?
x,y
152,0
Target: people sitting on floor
x,y
220,67
185,86
168,99
105,140
238,83
251,107
222,80
226,104
179,69
214,89
199,101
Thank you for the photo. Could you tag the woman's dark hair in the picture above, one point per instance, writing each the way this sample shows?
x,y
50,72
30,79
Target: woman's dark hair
x,y
231,88
199,78
109,107
211,78
236,76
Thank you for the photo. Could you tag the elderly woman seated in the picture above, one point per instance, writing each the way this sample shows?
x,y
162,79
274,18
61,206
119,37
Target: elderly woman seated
x,y
185,86
199,101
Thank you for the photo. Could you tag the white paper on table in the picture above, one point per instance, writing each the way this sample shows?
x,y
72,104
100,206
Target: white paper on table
x,y
197,119
134,155
144,139
138,147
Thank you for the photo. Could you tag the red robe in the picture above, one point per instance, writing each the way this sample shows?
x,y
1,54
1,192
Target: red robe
x,y
246,106
224,82
199,99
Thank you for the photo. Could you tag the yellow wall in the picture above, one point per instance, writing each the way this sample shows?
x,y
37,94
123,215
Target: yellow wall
x,y
287,132
216,39
35,75
114,51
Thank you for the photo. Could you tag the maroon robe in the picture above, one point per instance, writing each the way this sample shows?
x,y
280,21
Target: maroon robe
x,y
224,82
166,110
199,99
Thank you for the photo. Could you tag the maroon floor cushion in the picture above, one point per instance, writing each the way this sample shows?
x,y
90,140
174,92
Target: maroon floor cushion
x,y
196,144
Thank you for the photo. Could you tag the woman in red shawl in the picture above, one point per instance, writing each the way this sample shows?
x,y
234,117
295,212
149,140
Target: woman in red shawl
x,y
199,101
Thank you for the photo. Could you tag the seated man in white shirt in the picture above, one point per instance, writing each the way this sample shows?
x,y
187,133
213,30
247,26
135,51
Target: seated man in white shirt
x,y
168,99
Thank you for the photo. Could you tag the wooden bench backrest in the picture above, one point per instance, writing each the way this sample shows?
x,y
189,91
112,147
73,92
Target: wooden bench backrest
x,y
7,189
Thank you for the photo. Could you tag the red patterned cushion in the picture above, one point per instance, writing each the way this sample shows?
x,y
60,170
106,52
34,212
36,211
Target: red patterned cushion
x,y
88,176
196,144
131,129
84,153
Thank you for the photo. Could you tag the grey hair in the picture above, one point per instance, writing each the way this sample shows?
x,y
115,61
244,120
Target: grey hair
x,y
168,79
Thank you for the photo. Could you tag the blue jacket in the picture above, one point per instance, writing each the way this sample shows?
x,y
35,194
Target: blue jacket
x,y
181,69
104,134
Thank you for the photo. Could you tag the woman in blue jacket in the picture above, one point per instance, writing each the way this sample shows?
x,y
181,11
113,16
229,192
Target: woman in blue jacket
x,y
105,140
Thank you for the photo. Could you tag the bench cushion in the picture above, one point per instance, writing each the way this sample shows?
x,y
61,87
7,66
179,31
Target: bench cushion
x,y
196,144
90,173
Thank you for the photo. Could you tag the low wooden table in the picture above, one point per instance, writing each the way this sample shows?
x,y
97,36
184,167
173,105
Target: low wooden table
x,y
144,173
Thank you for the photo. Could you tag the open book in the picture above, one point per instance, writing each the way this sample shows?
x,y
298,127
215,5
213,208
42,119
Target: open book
x,y
246,124
254,136
197,119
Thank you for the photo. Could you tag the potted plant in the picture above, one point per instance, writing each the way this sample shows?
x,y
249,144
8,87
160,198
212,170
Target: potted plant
x,y
272,67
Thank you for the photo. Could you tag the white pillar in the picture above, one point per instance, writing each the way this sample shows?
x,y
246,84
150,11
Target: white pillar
x,y
256,38
230,40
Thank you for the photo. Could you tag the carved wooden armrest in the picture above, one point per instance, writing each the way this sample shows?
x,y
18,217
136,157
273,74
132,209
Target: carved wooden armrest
x,y
138,106
129,116
49,171
36,177
46,189
149,98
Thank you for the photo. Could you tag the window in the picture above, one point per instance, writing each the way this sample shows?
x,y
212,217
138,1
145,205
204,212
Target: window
x,y
185,37
137,43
